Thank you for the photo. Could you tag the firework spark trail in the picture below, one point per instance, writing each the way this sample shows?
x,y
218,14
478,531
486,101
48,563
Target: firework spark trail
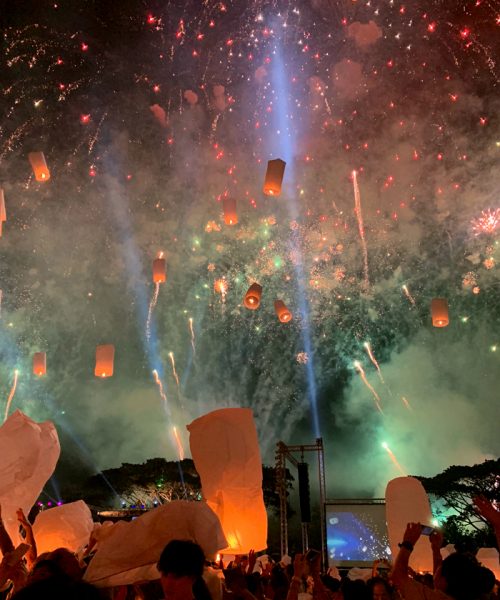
x,y
406,403
361,227
360,370
191,331
408,295
94,138
487,222
162,391
374,360
11,395
178,443
152,304
174,372
394,459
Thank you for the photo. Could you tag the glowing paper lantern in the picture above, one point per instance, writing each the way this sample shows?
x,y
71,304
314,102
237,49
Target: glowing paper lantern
x,y
439,312
282,312
230,215
225,450
3,212
274,177
252,297
488,557
104,360
406,502
67,526
128,552
39,166
39,363
159,270
29,452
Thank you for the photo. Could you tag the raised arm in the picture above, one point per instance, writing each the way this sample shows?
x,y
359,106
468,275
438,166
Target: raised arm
x,y
400,574
487,510
436,540
300,569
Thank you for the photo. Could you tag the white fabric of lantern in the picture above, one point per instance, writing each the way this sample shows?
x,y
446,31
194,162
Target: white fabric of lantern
x,y
490,559
406,502
127,552
226,454
67,526
29,452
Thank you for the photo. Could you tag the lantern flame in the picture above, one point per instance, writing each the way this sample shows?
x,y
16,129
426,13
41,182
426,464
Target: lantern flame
x,y
252,297
282,312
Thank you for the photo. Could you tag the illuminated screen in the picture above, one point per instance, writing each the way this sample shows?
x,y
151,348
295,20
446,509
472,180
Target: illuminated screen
x,y
356,534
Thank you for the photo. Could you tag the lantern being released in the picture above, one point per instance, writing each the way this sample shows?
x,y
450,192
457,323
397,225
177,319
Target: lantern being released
x,y
439,312
3,212
274,177
282,312
252,297
159,270
230,215
104,360
39,364
39,166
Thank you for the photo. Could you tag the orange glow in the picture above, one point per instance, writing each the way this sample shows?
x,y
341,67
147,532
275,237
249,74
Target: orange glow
x,y
252,297
39,166
3,212
159,270
274,177
220,286
230,214
439,312
39,364
282,312
104,360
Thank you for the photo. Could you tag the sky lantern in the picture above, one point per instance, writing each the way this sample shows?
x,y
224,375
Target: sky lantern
x,y
230,214
274,177
159,270
39,166
3,212
439,312
104,360
39,364
282,312
252,297
225,450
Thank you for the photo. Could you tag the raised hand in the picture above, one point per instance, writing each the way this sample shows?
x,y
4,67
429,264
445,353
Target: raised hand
x,y
412,533
252,559
21,517
436,540
486,509
300,566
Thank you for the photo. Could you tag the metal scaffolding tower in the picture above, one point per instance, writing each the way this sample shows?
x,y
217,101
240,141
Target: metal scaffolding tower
x,y
284,453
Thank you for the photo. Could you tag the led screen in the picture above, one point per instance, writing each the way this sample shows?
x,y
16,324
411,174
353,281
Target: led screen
x,y
356,533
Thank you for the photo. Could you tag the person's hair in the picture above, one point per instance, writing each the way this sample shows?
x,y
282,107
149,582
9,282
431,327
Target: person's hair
x,y
331,583
354,590
486,580
373,581
462,574
182,558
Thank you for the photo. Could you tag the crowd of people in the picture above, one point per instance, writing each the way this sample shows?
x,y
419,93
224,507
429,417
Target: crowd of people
x,y
185,573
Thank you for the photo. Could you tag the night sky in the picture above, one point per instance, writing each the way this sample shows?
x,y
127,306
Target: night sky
x,y
149,114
